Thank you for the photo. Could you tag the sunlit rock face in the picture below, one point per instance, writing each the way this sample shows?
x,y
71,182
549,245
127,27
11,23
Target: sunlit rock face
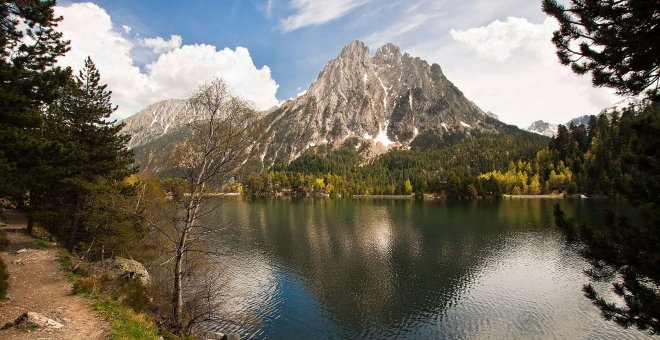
x,y
155,121
543,128
385,100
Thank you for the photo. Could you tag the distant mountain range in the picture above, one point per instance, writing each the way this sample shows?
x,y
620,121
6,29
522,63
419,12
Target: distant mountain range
x,y
375,103
548,129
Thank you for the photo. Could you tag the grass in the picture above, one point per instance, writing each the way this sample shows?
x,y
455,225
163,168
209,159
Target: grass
x,y
64,259
125,323
44,244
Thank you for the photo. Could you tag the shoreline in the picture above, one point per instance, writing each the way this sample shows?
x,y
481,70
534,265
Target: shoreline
x,y
554,196
392,197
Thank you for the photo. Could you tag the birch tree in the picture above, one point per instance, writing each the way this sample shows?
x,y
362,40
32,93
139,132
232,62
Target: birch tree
x,y
224,129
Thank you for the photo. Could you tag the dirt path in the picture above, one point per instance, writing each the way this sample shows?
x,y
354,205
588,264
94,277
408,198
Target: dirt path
x,y
37,284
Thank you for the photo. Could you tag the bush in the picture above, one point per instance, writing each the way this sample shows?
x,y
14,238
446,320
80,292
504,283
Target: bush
x,y
4,280
134,295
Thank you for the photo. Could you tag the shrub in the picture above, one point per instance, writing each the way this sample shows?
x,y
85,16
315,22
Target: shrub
x,y
85,285
134,295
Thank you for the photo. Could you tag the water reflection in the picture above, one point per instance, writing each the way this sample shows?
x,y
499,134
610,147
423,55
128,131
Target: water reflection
x,y
378,269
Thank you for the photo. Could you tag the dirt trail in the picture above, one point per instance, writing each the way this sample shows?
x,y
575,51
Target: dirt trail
x,y
37,284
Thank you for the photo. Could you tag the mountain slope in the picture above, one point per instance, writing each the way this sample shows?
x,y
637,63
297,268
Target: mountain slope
x,y
155,121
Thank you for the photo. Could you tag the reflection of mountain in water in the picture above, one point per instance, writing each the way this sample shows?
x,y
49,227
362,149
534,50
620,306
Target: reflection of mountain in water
x,y
397,269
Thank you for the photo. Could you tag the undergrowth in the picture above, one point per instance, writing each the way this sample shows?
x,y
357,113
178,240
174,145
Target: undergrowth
x,y
125,322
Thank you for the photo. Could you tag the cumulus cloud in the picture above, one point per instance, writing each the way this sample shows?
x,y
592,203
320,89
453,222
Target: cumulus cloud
x,y
160,45
316,12
500,39
516,73
175,73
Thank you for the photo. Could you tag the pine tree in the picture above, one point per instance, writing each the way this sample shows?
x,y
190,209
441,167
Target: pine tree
x,y
89,144
617,41
29,80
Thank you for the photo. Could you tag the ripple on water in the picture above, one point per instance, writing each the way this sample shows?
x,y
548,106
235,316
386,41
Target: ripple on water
x,y
407,271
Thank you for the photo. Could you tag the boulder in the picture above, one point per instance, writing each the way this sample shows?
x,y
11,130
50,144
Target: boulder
x,y
31,320
124,268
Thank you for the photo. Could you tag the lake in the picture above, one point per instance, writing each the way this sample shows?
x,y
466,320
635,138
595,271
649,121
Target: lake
x,y
374,269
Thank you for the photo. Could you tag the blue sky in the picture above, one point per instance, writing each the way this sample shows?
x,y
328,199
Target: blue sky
x,y
497,52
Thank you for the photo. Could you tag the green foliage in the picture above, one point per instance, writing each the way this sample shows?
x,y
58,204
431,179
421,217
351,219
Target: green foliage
x,y
624,251
90,159
29,48
43,243
617,41
425,169
593,159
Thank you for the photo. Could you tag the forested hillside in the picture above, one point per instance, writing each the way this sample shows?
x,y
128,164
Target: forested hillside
x,y
426,167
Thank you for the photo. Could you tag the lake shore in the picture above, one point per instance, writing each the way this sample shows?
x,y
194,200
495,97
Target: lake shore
x,y
553,196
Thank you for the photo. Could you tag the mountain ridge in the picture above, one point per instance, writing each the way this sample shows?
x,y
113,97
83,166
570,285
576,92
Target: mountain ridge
x,y
373,103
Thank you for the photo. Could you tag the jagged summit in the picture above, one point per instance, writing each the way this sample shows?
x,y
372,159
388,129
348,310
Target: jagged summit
x,y
386,100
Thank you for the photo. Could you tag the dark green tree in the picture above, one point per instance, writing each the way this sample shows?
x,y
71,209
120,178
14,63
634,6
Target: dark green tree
x,y
624,250
29,80
89,145
617,41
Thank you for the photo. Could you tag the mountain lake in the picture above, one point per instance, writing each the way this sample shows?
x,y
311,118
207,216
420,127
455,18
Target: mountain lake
x,y
374,269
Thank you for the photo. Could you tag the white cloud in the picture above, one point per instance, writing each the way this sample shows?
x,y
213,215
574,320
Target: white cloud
x,y
500,39
160,45
127,29
176,72
517,75
507,66
316,12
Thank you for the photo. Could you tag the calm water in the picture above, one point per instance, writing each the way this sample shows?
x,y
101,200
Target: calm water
x,y
314,269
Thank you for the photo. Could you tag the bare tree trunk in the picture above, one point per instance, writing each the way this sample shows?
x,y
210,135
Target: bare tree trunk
x,y
181,249
177,301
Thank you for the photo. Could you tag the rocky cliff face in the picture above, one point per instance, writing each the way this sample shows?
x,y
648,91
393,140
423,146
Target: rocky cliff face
x,y
386,101
155,121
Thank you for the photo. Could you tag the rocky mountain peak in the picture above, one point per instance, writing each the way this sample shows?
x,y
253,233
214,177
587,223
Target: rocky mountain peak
x,y
355,50
542,128
357,101
385,101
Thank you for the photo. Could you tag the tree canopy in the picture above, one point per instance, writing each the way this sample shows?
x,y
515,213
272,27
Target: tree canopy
x,y
617,41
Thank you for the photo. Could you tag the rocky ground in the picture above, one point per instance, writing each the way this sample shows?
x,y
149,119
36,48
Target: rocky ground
x,y
37,284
